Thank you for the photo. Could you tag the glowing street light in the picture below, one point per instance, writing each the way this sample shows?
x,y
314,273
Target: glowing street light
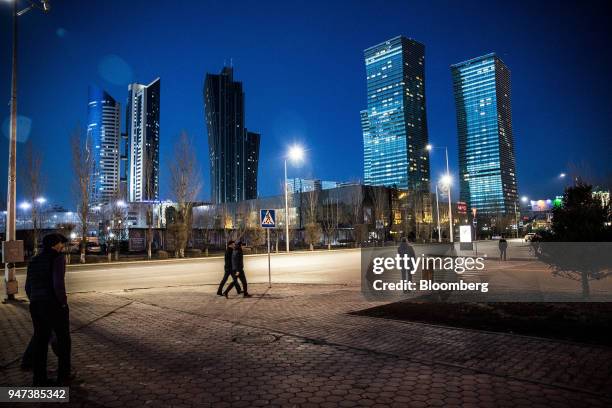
x,y
41,200
446,180
562,175
295,154
25,206
524,199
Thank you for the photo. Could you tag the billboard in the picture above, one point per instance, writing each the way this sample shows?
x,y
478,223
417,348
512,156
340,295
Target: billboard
x,y
461,207
541,205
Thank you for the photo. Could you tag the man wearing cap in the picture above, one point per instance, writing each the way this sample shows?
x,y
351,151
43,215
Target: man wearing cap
x,y
46,290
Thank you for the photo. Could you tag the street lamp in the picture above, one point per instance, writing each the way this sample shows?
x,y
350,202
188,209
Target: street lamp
x,y
562,175
438,214
41,200
524,199
10,282
446,180
295,154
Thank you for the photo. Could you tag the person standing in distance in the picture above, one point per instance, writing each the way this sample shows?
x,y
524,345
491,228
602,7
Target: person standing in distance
x,y
46,289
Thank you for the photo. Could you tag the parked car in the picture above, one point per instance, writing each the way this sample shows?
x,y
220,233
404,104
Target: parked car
x,y
529,236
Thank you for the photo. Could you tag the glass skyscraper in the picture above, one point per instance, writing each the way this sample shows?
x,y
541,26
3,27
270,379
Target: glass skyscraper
x,y
103,129
233,150
143,141
487,163
394,124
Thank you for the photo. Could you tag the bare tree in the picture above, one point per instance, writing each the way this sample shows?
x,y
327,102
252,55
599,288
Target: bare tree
x,y
83,170
150,191
331,216
313,228
356,215
256,233
379,199
185,184
34,189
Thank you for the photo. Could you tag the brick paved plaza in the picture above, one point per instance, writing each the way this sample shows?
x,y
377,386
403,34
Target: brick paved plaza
x,y
295,345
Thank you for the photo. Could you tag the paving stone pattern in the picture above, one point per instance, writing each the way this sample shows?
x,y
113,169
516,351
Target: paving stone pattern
x,y
295,345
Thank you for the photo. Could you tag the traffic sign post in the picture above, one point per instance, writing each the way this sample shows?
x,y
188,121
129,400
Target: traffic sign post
x,y
267,219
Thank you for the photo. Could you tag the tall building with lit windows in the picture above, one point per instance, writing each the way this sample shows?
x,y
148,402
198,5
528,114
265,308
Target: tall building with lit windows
x,y
487,163
394,124
143,141
233,150
103,124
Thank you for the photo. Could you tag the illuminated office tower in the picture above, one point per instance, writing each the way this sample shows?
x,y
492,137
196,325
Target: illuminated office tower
x,y
103,130
487,164
233,150
394,124
143,141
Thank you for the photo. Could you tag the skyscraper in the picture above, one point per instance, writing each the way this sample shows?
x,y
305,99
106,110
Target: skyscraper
x,y
103,129
487,164
251,153
143,141
234,151
395,123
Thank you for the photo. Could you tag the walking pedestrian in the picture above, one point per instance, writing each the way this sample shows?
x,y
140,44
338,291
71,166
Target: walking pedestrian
x,y
46,289
238,270
227,267
503,246
406,249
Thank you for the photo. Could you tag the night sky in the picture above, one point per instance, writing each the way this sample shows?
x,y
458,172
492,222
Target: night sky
x,y
302,67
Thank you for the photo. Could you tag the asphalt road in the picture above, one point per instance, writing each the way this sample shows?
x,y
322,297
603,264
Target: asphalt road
x,y
319,267
331,267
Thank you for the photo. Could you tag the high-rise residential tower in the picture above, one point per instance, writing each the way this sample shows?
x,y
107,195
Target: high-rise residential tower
x,y
143,141
487,163
395,123
234,151
103,129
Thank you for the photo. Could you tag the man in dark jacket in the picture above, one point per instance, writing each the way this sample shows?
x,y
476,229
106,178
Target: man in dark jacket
x,y
503,246
46,290
406,249
228,270
238,270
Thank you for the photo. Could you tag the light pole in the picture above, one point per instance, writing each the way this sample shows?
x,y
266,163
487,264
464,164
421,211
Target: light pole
x,y
447,180
295,154
10,282
438,214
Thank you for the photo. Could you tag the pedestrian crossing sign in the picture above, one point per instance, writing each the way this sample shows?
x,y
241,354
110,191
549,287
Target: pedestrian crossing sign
x,y
267,218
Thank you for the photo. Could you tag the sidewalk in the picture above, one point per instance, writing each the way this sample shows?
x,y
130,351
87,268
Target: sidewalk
x,y
294,345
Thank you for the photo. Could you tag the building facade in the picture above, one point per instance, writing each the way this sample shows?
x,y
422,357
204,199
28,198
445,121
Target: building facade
x,y
143,141
394,124
487,162
233,150
103,129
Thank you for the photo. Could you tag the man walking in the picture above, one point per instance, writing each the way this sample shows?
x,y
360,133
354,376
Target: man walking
x,y
406,249
238,270
227,267
46,289
503,246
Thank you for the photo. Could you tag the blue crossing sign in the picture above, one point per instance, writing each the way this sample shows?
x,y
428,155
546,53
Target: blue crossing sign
x,y
267,218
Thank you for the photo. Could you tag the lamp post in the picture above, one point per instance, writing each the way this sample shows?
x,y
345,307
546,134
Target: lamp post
x,y
438,214
295,154
11,202
446,180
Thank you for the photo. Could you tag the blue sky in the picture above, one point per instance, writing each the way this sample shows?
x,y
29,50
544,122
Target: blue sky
x,y
302,68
